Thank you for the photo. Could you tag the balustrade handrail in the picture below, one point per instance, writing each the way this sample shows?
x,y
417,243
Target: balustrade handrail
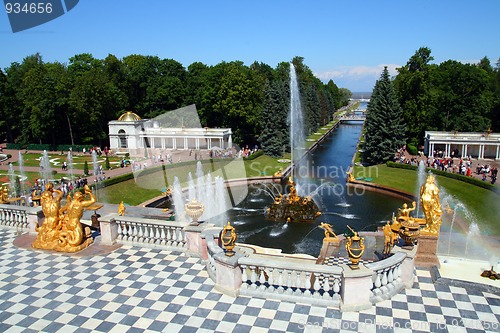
x,y
289,263
142,220
396,259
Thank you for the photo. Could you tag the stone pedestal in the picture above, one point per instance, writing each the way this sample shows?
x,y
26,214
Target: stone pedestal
x,y
427,251
109,231
356,289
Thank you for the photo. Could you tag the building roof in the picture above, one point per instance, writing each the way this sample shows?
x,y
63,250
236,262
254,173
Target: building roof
x,y
129,116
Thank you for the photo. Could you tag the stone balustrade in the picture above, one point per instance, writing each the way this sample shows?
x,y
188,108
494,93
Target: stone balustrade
x,y
291,279
387,277
20,217
142,232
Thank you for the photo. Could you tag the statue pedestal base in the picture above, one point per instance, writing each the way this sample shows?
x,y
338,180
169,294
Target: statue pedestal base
x,y
427,251
329,249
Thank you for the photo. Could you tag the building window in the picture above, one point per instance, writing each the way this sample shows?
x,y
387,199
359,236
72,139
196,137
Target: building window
x,y
123,138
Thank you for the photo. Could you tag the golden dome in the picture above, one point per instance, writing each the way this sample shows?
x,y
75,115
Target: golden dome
x,y
129,116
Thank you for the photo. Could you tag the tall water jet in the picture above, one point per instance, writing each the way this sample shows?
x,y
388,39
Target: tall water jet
x,y
45,171
95,166
296,117
191,187
221,203
420,181
21,172
12,180
69,162
178,200
95,163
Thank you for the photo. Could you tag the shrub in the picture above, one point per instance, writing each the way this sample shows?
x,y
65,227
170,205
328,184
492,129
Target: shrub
x,y
38,146
412,149
86,168
13,146
107,165
254,155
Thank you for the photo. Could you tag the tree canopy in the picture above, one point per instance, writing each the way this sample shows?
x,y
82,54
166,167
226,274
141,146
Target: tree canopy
x,y
56,103
451,96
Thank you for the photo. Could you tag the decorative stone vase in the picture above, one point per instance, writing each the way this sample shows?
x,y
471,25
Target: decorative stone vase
x,y
194,210
409,231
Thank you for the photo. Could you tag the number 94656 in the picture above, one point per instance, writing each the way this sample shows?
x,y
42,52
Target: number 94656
x,y
28,8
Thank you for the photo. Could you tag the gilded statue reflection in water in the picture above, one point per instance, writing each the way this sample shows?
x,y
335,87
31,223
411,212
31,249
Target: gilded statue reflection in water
x,y
61,230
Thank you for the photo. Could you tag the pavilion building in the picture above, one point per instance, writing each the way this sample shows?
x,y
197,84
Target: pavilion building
x,y
175,130
455,144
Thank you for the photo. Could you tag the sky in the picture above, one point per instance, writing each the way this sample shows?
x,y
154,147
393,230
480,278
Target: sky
x,y
347,41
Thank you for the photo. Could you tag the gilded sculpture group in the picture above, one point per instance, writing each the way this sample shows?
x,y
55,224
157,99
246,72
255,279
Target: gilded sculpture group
x,y
408,227
61,230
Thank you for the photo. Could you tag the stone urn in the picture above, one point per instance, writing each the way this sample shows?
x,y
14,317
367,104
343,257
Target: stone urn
x,y
409,231
194,210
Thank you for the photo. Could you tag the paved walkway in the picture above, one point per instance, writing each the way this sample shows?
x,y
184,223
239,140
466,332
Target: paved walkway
x,y
135,289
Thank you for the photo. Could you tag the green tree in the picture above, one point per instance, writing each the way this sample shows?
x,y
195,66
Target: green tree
x,y
384,129
86,168
274,138
414,88
107,164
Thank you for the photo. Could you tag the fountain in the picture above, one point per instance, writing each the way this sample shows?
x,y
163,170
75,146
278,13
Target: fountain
x,y
22,173
45,171
297,135
293,208
12,180
69,162
210,193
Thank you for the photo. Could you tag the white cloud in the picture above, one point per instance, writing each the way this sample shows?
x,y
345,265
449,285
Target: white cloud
x,y
356,78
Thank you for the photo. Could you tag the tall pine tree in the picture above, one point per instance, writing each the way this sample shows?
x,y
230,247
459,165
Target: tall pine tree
x,y
274,137
384,126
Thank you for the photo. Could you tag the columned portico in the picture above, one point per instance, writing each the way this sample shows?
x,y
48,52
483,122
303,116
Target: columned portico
x,y
132,134
475,145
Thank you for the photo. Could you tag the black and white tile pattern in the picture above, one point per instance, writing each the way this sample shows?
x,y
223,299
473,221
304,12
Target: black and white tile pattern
x,y
149,290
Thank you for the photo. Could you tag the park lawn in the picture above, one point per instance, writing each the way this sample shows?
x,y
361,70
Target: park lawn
x,y
148,185
482,203
56,160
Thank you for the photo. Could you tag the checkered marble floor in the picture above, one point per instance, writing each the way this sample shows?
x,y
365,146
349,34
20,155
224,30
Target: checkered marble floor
x,y
149,290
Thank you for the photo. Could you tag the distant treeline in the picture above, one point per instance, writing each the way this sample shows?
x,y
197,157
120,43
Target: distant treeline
x,y
54,103
451,96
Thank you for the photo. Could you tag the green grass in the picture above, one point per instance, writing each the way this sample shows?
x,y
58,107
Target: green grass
x,y
147,185
482,203
56,160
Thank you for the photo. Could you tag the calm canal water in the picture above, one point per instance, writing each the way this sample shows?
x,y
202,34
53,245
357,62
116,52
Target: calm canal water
x,y
324,172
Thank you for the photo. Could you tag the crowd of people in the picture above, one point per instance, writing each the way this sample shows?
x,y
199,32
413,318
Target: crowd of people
x,y
461,166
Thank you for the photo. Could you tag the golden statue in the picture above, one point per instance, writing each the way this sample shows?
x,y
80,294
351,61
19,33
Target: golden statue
x,y
404,213
61,229
277,199
429,196
329,231
48,233
168,191
121,209
4,197
390,238
350,177
278,173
